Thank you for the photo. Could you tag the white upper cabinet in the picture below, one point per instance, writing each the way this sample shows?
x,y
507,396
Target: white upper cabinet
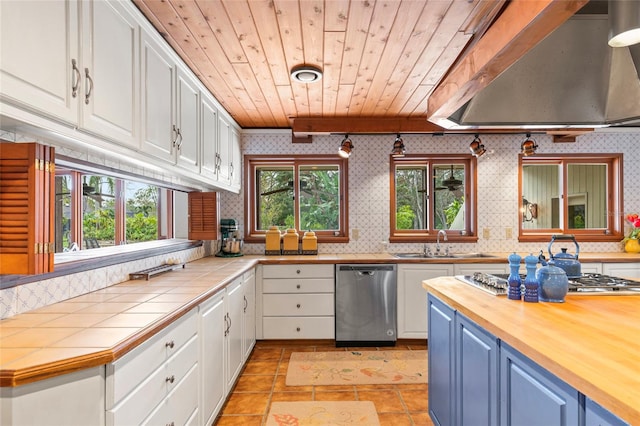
x,y
158,73
236,159
188,141
209,132
110,71
39,62
224,150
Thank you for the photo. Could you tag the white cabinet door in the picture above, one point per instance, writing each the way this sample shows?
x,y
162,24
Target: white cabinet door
x,y
212,357
38,50
188,143
236,160
235,304
209,138
249,311
158,76
623,270
487,268
110,73
224,150
412,297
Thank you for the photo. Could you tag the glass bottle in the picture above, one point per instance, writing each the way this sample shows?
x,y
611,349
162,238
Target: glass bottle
x,y
514,280
530,281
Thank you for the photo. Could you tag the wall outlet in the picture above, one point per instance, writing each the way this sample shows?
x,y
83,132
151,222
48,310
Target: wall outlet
x,y
486,233
508,233
355,234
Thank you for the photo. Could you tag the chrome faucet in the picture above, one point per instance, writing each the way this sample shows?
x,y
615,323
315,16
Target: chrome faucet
x,y
444,234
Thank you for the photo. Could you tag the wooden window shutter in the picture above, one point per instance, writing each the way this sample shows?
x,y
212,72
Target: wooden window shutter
x,y
203,215
27,216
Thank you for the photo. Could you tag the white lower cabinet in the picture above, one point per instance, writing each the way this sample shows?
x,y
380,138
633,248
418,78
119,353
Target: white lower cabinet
x,y
227,335
412,297
297,302
144,379
623,270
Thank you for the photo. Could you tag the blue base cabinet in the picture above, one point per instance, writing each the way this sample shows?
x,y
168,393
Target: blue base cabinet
x,y
476,379
530,395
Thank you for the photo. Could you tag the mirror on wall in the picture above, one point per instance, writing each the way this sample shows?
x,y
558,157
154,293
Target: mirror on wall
x,y
570,195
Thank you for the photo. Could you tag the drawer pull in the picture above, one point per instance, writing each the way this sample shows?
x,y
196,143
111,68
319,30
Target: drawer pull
x,y
298,286
171,424
298,306
297,271
170,344
297,328
170,379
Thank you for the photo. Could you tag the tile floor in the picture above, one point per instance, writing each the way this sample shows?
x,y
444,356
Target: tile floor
x,y
263,381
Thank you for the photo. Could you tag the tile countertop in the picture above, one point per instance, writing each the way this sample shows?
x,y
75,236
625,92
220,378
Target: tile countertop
x,y
590,342
99,327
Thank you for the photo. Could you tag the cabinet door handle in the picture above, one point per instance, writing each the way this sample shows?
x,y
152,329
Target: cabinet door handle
x,y
178,137
231,169
170,379
226,326
229,329
75,80
170,344
88,86
218,162
246,304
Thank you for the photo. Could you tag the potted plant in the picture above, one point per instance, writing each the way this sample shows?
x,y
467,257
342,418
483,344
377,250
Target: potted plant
x,y
631,243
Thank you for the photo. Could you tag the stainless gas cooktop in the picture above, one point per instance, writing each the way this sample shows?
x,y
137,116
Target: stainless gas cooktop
x,y
596,284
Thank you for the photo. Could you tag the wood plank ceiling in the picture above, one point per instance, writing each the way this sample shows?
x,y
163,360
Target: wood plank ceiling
x,y
381,59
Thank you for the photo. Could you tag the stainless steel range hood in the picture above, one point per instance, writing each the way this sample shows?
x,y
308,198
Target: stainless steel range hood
x,y
571,78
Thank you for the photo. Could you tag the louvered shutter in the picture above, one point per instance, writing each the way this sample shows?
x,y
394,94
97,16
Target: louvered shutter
x,y
203,215
26,208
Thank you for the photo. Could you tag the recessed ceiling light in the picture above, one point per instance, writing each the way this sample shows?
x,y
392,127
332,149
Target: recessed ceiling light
x,y
306,74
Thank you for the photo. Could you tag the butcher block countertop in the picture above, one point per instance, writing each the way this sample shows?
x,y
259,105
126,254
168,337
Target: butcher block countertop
x,y
590,342
99,327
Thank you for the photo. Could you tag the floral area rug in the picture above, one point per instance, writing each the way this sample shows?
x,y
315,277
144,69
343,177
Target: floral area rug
x,y
357,368
323,413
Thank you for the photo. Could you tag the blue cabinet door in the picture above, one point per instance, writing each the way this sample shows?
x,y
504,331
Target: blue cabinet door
x,y
441,362
596,415
531,396
476,374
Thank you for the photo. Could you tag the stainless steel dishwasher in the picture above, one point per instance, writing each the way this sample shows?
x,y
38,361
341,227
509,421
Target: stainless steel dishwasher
x,y
366,305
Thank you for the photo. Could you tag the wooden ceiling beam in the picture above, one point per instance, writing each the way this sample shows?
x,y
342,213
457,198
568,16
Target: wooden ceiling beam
x,y
517,30
318,125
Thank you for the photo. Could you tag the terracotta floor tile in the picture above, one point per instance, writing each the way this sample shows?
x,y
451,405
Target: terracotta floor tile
x,y
261,367
421,419
266,354
385,401
361,388
251,383
292,396
394,419
247,403
413,386
239,421
335,396
281,385
415,400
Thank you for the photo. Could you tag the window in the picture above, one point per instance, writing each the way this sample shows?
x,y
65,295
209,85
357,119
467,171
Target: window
x,y
300,192
96,210
431,193
571,195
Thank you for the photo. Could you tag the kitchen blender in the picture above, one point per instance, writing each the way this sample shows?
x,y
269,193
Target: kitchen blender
x,y
231,244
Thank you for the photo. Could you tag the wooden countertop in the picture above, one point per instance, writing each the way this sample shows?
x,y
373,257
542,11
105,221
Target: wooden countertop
x,y
590,342
100,327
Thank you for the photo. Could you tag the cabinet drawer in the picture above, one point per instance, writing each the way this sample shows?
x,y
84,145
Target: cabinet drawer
x,y
129,371
298,328
297,271
180,405
301,285
139,403
297,304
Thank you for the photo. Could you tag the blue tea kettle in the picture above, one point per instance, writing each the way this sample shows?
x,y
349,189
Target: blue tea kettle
x,y
566,261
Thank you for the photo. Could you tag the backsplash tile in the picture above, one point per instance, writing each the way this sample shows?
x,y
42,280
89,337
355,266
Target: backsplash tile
x,y
497,183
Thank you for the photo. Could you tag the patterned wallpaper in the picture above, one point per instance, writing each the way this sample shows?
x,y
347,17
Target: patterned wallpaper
x,y
497,184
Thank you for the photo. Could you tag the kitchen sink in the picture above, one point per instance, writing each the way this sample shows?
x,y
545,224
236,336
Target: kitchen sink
x,y
470,255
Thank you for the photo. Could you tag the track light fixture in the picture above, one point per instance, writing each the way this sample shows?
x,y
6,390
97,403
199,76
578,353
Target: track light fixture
x,y
476,147
345,147
528,146
398,147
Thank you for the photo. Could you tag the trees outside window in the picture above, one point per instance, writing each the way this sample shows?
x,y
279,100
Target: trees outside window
x,y
300,192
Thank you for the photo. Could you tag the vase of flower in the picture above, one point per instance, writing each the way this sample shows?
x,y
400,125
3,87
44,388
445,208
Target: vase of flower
x,y
632,245
631,242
